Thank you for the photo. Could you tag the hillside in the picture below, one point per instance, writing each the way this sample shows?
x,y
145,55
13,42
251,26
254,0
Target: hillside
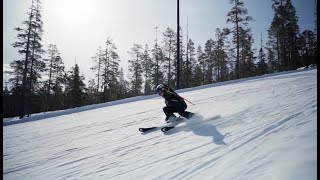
x,y
256,128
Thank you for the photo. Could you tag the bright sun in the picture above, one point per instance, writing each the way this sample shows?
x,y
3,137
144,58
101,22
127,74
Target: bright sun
x,y
76,11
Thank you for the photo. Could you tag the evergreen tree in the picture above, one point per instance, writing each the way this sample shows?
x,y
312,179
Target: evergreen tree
x,y
158,57
308,46
209,60
189,65
247,59
231,53
75,87
5,102
55,69
274,44
272,63
169,43
114,74
123,86
238,16
197,75
183,63
135,69
97,68
147,70
262,65
201,66
30,67
37,65
292,32
91,92
220,60
283,35
110,63
16,76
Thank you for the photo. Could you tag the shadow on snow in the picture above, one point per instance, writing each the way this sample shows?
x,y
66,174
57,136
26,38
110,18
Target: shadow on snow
x,y
200,126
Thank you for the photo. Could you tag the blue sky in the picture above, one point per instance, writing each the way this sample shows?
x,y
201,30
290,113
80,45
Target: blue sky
x,y
79,27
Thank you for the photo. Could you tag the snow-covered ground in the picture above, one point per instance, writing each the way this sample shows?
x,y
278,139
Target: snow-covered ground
x,y
255,128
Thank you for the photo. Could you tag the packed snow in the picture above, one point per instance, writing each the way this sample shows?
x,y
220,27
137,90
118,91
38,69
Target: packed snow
x,y
255,128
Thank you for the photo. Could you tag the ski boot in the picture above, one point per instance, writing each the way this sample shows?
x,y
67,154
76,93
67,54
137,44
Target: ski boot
x,y
171,118
189,115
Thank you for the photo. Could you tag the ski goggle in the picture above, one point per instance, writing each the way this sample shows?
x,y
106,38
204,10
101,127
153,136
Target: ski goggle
x,y
160,92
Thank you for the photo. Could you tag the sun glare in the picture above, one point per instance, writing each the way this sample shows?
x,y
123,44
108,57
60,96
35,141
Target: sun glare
x,y
75,11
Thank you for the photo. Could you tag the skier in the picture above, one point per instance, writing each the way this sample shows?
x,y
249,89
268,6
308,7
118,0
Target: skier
x,y
174,103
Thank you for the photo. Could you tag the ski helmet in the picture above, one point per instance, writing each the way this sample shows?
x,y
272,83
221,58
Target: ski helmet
x,y
161,88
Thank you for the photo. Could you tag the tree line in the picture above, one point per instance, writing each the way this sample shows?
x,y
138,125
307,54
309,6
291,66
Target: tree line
x,y
39,81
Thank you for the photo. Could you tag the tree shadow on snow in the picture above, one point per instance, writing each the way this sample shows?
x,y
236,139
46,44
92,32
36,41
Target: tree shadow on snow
x,y
201,127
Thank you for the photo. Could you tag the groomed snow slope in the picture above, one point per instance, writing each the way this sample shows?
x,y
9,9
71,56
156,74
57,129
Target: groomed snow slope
x,y
258,128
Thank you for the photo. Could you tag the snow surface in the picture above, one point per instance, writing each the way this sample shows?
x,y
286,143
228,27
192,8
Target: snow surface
x,y
256,128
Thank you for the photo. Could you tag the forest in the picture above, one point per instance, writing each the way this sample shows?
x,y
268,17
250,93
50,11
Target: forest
x,y
39,81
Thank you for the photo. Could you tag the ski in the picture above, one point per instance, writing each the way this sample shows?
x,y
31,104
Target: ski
x,y
167,128
147,129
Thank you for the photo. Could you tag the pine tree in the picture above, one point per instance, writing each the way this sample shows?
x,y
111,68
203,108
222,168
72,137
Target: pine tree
x,y
220,60
189,65
37,65
283,34
231,53
147,70
158,57
135,69
209,60
110,71
292,33
97,69
197,75
169,42
30,67
262,65
271,61
182,68
5,102
55,70
91,92
274,43
16,76
308,46
114,74
238,16
247,59
75,87
123,86
201,65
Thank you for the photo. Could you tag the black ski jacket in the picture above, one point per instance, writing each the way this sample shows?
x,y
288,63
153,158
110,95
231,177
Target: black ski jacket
x,y
171,97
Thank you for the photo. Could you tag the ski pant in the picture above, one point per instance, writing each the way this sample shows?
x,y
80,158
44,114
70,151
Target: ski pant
x,y
179,107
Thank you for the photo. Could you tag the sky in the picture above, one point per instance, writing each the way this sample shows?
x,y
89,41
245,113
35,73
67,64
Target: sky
x,y
258,128
79,27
